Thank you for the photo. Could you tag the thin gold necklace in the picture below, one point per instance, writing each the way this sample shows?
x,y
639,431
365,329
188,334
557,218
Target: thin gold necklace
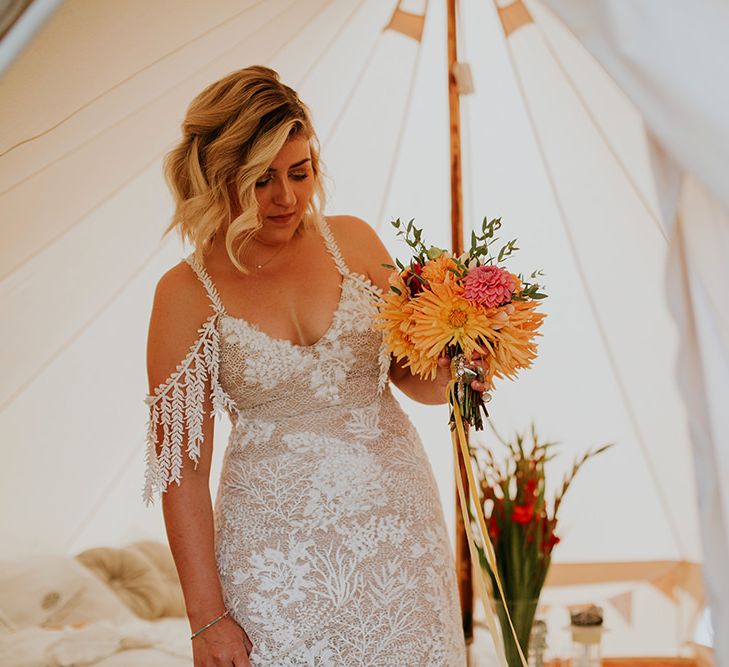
x,y
272,257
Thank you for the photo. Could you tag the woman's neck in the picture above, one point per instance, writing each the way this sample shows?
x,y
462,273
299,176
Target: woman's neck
x,y
256,256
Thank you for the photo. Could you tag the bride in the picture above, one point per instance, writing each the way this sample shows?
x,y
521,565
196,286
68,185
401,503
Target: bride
x,y
326,543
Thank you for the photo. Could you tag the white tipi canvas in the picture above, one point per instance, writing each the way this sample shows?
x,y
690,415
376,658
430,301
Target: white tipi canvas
x,y
550,144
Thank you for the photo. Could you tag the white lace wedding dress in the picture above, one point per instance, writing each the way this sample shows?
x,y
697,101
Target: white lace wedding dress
x,y
330,539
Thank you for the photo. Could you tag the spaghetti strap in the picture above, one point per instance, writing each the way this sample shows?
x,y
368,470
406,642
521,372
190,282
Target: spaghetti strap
x,y
333,248
207,282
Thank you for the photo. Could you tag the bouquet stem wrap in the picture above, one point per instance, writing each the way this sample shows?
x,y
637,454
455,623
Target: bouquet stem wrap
x,y
461,450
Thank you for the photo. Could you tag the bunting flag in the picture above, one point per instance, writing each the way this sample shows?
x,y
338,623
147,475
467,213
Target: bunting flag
x,y
513,15
665,576
667,583
623,604
407,23
681,575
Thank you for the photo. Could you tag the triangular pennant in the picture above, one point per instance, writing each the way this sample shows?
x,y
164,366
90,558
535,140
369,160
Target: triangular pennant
x,y
666,582
513,16
406,23
692,582
623,604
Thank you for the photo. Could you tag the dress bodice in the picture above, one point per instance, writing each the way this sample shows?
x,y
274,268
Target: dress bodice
x,y
252,374
271,377
274,378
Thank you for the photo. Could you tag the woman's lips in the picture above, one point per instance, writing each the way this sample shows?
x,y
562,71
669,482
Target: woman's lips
x,y
281,218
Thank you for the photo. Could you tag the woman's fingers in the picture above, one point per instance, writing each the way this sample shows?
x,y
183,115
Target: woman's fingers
x,y
445,361
475,364
226,644
241,660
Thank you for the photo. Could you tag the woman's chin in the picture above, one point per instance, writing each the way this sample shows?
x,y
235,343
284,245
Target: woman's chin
x,y
278,232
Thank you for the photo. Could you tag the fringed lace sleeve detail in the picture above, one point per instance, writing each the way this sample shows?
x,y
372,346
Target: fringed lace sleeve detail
x,y
176,409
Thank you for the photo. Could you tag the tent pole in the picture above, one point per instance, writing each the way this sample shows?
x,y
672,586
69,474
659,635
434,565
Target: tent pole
x,y
463,560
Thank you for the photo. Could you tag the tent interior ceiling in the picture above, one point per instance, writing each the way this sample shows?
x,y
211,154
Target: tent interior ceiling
x,y
550,143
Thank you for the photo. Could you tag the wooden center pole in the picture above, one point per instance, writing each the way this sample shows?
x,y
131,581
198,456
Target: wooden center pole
x,y
463,560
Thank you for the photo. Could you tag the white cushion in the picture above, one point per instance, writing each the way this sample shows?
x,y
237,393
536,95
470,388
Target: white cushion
x,y
131,576
161,557
142,575
55,591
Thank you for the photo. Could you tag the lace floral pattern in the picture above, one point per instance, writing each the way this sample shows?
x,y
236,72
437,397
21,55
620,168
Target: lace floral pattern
x,y
330,539
270,361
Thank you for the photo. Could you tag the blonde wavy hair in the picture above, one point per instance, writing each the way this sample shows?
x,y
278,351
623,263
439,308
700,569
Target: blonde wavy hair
x,y
232,132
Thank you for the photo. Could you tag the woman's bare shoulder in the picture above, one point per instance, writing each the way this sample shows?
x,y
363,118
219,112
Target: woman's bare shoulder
x,y
356,237
180,291
363,250
347,225
179,309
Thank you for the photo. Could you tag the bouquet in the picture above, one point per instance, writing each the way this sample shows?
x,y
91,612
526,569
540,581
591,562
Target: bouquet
x,y
462,306
443,305
521,528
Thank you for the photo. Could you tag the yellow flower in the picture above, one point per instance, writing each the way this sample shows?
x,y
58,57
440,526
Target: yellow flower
x,y
514,345
442,317
437,270
395,311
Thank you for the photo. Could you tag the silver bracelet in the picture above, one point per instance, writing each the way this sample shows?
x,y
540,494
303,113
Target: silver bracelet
x,y
205,627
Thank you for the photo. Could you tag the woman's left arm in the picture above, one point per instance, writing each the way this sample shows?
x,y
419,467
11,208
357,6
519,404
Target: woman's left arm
x,y
372,254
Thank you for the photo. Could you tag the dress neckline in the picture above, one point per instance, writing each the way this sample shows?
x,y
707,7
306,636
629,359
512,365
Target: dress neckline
x,y
287,341
332,248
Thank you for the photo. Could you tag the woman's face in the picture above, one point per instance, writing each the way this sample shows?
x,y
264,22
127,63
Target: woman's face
x,y
284,191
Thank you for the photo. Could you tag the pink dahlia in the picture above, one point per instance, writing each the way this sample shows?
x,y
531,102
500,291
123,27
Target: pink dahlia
x,y
488,286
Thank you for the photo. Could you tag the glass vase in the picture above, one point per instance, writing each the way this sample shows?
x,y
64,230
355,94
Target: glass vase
x,y
522,612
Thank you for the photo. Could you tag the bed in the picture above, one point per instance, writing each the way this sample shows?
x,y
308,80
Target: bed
x,y
105,607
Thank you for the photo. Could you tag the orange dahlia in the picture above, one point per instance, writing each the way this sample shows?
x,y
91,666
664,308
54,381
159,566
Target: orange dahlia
x,y
438,270
514,332
395,311
442,317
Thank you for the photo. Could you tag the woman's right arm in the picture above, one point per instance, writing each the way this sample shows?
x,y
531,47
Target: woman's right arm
x,y
180,306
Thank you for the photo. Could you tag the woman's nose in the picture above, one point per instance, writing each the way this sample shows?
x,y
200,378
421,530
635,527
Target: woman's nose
x,y
284,193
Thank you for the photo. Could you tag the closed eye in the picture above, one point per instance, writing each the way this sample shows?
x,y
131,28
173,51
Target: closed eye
x,y
296,176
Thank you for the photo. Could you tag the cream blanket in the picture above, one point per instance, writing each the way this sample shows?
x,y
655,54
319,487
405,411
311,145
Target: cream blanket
x,y
91,644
